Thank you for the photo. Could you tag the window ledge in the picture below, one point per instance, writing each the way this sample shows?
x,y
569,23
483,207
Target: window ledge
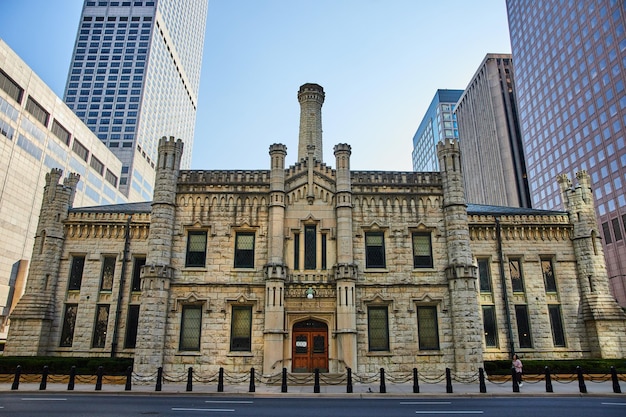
x,y
429,269
240,354
375,270
382,353
188,353
429,353
194,269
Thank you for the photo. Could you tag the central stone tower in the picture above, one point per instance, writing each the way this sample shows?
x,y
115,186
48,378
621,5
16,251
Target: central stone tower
x,y
311,98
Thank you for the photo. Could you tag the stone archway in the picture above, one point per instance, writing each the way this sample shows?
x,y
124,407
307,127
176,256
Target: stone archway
x,y
309,350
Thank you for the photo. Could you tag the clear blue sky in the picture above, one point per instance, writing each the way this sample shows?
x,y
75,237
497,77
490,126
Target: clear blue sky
x,y
379,61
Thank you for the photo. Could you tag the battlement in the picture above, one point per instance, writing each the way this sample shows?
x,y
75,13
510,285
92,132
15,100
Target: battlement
x,y
303,165
395,178
311,92
342,147
278,147
575,197
225,177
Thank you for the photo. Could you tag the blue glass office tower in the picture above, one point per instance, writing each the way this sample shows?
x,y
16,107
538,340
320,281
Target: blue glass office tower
x,y
439,123
570,69
134,77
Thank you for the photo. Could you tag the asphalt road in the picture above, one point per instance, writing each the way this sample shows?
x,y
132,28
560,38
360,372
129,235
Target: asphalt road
x,y
59,405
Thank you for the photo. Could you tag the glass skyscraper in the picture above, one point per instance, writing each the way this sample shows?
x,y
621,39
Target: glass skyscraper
x,y
570,60
134,77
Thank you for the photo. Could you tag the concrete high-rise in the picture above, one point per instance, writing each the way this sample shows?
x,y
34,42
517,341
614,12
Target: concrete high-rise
x,y
438,124
570,60
491,149
135,76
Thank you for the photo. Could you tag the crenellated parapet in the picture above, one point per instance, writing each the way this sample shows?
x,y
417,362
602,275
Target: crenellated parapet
x,y
521,227
346,271
223,178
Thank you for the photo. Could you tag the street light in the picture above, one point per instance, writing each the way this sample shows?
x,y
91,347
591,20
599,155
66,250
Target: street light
x,y
310,293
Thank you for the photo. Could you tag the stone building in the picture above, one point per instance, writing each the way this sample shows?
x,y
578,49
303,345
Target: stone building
x,y
308,266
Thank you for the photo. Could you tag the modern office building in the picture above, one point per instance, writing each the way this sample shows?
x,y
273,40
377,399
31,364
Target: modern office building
x,y
491,149
39,132
135,75
438,124
570,71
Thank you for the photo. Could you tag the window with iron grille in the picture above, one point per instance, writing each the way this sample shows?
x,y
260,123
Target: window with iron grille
x,y
484,275
191,321
548,275
374,250
310,247
523,326
69,323
244,250
130,341
378,328
37,111
137,264
422,251
107,273
241,329
76,272
489,326
517,278
556,322
427,328
100,326
196,248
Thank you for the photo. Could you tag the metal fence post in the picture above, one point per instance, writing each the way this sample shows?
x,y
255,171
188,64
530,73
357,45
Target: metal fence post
x,y
99,374
349,385
252,387
44,379
581,381
548,380
316,385
129,377
159,381
72,381
16,378
481,380
416,383
189,379
383,386
283,387
448,381
616,387
220,380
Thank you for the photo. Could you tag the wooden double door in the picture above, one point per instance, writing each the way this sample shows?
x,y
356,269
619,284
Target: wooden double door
x,y
310,346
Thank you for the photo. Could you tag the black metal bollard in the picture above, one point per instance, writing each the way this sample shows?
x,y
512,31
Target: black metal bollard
x,y
252,387
514,375
616,387
44,379
481,380
548,380
129,378
72,381
159,382
448,381
283,387
316,385
349,386
16,378
99,374
383,386
189,379
220,380
416,383
581,381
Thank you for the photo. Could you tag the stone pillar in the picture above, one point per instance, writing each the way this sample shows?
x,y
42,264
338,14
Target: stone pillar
x,y
605,321
311,98
461,273
275,270
157,273
32,316
346,269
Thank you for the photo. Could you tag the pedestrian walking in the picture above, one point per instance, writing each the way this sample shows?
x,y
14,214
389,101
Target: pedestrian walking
x,y
517,364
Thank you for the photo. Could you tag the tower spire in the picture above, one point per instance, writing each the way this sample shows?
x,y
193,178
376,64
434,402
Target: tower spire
x,y
311,98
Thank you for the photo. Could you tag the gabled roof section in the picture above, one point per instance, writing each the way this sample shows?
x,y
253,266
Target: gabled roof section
x,y
482,209
141,207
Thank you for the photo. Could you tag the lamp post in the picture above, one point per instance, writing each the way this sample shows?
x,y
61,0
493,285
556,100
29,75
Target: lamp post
x,y
310,293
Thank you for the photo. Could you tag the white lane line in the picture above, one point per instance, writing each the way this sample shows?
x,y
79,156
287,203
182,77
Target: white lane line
x,y
44,399
450,412
426,402
217,410
229,402
613,403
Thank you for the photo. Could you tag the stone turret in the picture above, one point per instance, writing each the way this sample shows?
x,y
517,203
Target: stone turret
x,y
605,321
462,274
311,98
32,317
157,273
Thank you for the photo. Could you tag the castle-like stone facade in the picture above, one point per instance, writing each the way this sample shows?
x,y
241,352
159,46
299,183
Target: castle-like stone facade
x,y
308,266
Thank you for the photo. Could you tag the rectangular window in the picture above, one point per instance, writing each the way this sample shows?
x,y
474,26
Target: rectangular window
x,y
241,329
484,275
378,329
190,326
76,272
107,273
489,326
548,275
100,326
69,322
296,251
136,284
427,328
556,322
96,165
244,250
111,177
130,341
196,249
10,87
324,256
422,251
37,111
517,279
310,247
607,233
80,150
616,230
523,326
374,250
60,132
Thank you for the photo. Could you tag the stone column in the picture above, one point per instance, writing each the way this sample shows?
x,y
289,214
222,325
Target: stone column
x,y
275,270
31,319
346,269
157,273
311,98
462,274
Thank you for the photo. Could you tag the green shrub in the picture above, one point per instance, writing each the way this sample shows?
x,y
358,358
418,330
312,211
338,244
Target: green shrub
x,y
62,365
565,366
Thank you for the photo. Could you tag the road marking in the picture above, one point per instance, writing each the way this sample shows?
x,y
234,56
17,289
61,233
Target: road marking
x,y
426,402
613,403
449,412
44,399
229,402
204,409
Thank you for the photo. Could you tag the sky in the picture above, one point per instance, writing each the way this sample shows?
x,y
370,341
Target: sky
x,y
380,63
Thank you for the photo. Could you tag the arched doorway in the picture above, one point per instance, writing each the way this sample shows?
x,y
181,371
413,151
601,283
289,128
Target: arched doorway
x,y
310,346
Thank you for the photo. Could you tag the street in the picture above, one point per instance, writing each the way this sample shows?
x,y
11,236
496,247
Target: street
x,y
104,405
